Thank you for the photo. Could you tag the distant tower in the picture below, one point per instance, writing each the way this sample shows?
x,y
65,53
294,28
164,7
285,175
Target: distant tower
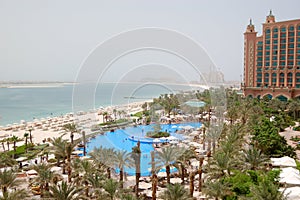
x,y
249,55
270,18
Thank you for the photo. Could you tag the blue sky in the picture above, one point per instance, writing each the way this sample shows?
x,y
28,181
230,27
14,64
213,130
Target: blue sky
x,y
48,40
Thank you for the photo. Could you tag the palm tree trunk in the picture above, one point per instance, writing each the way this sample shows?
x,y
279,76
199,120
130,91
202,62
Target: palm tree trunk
x,y
64,166
86,189
7,145
3,146
182,174
192,178
108,173
121,177
168,173
200,180
30,136
154,186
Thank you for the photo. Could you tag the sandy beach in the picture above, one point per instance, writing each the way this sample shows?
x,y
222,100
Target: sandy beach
x,y
51,127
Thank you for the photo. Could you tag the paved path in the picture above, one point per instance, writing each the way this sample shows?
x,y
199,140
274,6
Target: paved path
x,y
288,134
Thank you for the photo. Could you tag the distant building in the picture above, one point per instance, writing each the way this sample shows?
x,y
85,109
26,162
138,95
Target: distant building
x,y
272,60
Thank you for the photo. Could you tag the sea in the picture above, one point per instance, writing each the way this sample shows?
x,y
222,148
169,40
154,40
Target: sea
x,y
25,102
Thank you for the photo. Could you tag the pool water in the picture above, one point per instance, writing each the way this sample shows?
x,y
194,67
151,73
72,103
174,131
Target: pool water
x,y
126,139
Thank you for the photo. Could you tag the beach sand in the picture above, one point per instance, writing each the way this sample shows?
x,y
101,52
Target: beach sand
x,y
42,129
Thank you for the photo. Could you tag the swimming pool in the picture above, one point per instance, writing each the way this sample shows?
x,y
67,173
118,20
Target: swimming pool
x,y
121,139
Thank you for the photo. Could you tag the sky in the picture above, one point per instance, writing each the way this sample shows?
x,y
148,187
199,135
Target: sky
x,y
48,40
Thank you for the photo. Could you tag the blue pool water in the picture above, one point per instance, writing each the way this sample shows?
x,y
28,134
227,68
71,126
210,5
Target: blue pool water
x,y
121,139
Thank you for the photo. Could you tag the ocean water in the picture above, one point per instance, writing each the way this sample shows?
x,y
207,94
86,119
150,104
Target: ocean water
x,y
29,103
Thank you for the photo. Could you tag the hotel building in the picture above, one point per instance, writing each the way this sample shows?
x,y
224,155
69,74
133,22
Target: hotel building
x,y
272,60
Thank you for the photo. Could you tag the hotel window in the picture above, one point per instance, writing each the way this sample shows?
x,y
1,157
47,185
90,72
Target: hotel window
x,y
290,63
291,40
297,85
290,57
275,35
291,33
259,64
298,33
283,41
275,30
266,77
267,53
274,63
282,57
291,45
259,48
291,28
267,47
282,46
267,63
259,53
274,58
281,79
298,40
282,35
258,69
259,59
298,74
275,52
299,27
291,51
275,41
298,63
282,51
268,36
282,63
290,77
275,47
274,77
259,80
298,57
298,51
267,41
268,31
298,45
283,29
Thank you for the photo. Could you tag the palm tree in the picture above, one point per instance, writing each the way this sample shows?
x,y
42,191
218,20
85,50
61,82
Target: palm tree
x,y
175,192
136,156
7,180
59,149
184,156
45,176
72,129
167,157
254,158
6,160
3,141
30,135
65,191
111,186
26,140
69,149
123,159
13,195
104,157
15,139
216,189
293,107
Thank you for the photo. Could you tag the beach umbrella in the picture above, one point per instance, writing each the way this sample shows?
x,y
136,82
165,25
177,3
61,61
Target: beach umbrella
x,y
175,180
156,140
173,142
20,159
31,172
144,185
194,133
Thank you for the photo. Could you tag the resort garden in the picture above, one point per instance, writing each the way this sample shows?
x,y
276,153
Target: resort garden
x,y
232,162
